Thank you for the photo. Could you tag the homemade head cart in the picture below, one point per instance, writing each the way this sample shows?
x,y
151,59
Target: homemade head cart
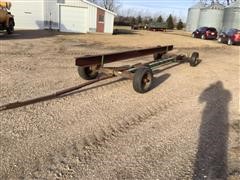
x,y
92,68
89,67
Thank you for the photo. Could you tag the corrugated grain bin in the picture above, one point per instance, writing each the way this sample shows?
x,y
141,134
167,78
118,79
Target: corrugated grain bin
x,y
193,16
231,18
212,16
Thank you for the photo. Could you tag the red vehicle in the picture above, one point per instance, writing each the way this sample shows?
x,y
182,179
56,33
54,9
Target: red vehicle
x,y
205,33
231,36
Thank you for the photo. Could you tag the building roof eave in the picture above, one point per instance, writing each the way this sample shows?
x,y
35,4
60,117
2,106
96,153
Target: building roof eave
x,y
97,6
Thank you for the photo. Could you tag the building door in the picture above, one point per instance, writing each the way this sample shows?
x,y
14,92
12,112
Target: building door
x,y
28,14
73,19
100,20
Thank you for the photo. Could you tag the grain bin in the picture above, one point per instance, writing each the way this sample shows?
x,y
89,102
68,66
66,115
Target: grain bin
x,y
212,16
193,16
231,18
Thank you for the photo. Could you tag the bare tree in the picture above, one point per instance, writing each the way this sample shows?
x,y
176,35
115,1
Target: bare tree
x,y
112,5
228,1
93,1
222,1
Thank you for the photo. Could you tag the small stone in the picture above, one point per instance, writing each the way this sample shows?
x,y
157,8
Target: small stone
x,y
59,174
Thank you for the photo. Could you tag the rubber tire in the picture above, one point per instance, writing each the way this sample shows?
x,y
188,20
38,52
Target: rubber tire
x,y
86,73
138,80
193,60
219,40
203,37
10,29
229,42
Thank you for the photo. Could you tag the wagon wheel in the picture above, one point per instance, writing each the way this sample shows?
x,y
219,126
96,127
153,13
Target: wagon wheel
x,y
142,80
220,40
10,28
194,59
88,73
229,42
203,37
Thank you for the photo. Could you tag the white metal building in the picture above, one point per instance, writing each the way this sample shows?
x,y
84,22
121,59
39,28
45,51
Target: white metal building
x,y
78,16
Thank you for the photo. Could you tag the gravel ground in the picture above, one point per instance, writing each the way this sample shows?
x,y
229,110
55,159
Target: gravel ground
x,y
186,127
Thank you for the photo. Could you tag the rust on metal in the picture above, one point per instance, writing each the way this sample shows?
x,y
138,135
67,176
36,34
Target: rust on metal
x,y
126,71
112,57
51,96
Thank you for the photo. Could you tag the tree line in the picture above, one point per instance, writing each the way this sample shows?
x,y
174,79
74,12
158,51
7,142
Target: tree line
x,y
171,22
113,5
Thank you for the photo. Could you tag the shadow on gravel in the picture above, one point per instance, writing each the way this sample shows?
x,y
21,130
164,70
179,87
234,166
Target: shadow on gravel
x,y
17,104
159,80
211,158
32,34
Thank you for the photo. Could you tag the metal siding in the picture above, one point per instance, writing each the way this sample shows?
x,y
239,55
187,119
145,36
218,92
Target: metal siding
x,y
231,18
73,19
109,20
92,13
28,14
193,16
193,19
51,14
39,13
92,18
77,3
211,18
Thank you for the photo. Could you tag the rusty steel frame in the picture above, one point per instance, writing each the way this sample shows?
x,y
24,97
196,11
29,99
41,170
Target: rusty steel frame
x,y
160,58
87,61
128,71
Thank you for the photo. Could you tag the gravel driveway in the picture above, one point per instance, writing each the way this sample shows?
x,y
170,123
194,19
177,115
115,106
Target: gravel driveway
x,y
186,127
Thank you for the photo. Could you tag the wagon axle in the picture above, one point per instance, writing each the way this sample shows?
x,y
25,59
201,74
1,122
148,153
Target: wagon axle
x,y
90,68
141,73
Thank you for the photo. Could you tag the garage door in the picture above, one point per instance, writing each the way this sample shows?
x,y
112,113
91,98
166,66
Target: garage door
x,y
73,19
28,14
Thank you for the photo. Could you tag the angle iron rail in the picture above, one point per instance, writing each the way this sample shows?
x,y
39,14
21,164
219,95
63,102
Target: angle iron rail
x,y
112,57
125,70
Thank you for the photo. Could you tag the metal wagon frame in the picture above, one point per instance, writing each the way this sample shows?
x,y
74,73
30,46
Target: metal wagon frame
x,y
93,69
89,67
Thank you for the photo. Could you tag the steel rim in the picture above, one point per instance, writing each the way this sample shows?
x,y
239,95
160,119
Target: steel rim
x,y
229,42
146,81
194,60
92,70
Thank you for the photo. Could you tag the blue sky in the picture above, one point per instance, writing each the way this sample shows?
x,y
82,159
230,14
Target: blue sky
x,y
155,7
